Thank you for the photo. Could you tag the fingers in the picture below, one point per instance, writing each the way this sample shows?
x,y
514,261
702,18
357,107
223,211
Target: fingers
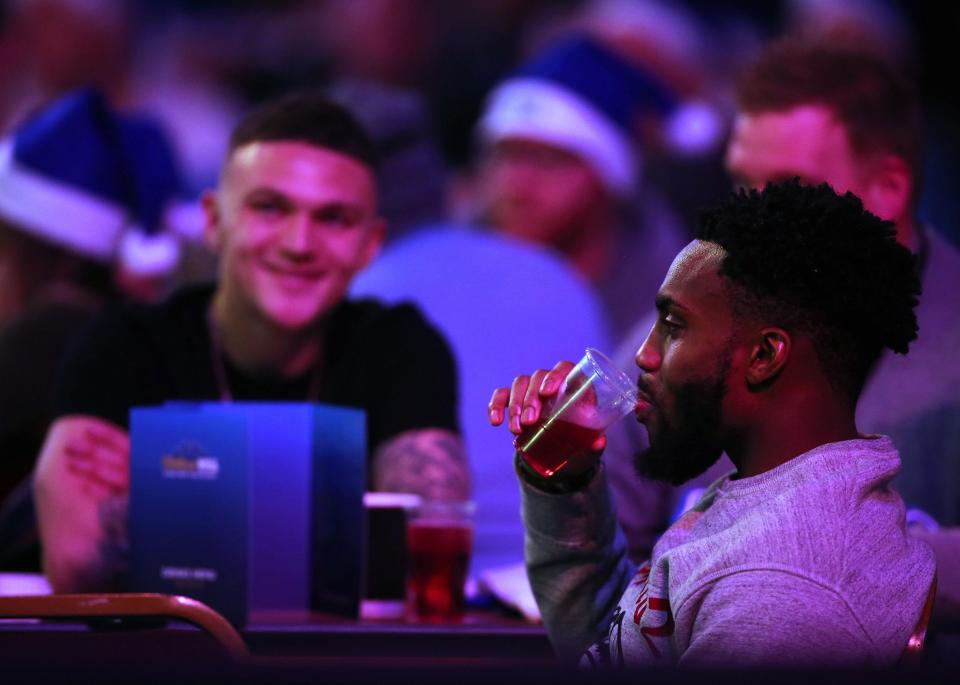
x,y
107,435
99,467
552,380
99,454
98,482
522,404
530,411
518,391
497,405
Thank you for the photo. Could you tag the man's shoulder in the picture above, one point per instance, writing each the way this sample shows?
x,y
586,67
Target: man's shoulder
x,y
137,354
140,333
829,516
366,316
808,514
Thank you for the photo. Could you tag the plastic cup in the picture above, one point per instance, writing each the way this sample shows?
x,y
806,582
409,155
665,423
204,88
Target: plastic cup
x,y
439,542
593,396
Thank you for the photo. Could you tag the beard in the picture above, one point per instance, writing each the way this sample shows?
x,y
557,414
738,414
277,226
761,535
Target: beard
x,y
689,443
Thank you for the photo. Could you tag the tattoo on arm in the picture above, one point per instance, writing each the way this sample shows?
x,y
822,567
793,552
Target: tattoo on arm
x,y
427,462
114,546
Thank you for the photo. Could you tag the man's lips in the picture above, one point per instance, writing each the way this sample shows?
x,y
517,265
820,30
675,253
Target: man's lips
x,y
295,277
643,407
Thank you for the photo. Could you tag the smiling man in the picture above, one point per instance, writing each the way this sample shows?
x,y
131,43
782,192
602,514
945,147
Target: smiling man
x,y
293,220
768,325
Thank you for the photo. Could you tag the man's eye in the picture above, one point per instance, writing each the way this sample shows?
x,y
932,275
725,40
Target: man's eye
x,y
337,216
670,324
266,206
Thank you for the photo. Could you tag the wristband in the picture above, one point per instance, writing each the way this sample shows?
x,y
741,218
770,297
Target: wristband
x,y
554,485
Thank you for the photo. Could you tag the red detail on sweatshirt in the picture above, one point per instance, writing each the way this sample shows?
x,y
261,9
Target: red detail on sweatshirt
x,y
645,601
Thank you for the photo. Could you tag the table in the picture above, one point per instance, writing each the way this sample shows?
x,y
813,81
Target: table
x,y
484,637
279,643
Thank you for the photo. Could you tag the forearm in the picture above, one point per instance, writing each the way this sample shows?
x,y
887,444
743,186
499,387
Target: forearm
x,y
427,462
80,493
577,563
84,543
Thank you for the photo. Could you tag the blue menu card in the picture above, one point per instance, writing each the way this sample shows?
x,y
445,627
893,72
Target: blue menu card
x,y
248,506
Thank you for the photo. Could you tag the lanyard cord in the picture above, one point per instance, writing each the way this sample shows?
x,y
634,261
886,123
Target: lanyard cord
x,y
220,369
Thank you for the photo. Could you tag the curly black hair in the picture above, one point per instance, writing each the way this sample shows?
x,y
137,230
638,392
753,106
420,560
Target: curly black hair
x,y
811,261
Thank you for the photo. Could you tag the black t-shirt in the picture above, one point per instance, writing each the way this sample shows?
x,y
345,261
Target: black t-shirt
x,y
385,360
31,349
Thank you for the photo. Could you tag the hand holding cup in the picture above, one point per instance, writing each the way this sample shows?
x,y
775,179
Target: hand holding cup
x,y
559,416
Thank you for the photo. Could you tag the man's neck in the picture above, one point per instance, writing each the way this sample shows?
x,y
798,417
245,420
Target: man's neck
x,y
258,347
809,421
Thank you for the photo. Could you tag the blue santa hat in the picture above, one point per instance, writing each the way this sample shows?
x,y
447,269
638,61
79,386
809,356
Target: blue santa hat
x,y
581,97
93,181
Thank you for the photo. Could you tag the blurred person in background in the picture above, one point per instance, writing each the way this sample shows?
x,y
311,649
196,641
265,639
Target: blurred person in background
x,y
293,219
412,172
59,45
157,57
682,146
84,193
560,167
466,281
844,116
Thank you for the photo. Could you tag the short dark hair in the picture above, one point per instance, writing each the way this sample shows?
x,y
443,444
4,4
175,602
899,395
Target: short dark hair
x,y
875,103
306,117
811,261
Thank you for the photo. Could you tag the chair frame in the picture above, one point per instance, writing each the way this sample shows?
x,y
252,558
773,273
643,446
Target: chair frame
x,y
126,605
914,648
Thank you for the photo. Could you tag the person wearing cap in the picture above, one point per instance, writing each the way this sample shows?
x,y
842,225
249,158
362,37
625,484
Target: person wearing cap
x,y
79,182
294,218
560,167
465,280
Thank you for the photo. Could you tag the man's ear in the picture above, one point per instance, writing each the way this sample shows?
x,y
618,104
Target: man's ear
x,y
768,356
212,233
890,188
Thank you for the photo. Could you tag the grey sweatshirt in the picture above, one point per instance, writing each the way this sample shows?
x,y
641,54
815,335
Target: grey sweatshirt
x,y
807,564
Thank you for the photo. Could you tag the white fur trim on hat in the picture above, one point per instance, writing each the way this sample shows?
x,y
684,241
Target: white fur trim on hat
x,y
540,110
694,128
148,255
56,212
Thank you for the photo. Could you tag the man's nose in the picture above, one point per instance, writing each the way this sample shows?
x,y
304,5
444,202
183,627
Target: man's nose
x,y
296,236
515,169
648,356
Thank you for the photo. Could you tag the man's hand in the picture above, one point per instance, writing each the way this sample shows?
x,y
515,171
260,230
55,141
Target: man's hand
x,y
523,401
81,484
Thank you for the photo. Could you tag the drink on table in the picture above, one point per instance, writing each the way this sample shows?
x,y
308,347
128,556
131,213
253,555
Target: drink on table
x,y
439,542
